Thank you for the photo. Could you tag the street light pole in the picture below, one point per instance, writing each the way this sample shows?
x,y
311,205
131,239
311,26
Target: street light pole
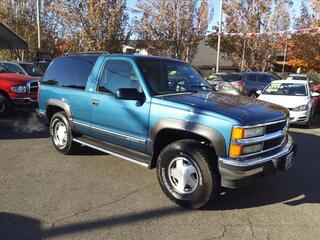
x,y
38,23
219,38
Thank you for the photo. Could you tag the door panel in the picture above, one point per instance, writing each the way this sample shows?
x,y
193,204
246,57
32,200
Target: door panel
x,y
123,122
80,106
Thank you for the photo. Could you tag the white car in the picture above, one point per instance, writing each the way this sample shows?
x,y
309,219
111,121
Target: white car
x,y
294,95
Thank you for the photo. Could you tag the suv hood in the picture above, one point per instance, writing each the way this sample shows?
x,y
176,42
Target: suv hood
x,y
248,111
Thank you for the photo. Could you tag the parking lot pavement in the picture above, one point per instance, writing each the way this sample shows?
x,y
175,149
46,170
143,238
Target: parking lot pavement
x,y
46,195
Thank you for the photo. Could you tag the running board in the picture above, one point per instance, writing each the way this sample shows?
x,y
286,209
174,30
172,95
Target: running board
x,y
117,151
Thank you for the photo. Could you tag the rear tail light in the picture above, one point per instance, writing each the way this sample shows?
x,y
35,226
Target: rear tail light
x,y
238,84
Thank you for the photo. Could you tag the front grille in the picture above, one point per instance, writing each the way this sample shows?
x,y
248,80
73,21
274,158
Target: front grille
x,y
272,143
275,127
274,138
33,86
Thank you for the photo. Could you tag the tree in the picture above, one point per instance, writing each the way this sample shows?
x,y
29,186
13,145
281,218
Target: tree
x,y
304,50
305,19
248,18
316,6
91,25
20,16
172,27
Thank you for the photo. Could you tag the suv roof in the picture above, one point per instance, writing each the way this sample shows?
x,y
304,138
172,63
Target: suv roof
x,y
132,56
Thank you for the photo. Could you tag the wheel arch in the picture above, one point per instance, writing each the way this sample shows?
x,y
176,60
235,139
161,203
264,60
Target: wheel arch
x,y
55,105
3,92
170,130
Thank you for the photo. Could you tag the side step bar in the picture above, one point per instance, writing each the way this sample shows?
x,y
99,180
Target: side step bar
x,y
121,152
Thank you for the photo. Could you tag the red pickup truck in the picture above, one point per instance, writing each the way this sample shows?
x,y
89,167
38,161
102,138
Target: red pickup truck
x,y
17,90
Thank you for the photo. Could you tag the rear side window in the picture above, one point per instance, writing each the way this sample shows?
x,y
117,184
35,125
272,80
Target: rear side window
x,y
264,79
70,71
252,78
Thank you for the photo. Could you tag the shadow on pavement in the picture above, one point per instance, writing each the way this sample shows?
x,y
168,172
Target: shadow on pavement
x,y
26,124
297,186
23,125
14,226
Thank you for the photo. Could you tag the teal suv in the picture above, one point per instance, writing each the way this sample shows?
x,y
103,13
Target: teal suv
x,y
160,113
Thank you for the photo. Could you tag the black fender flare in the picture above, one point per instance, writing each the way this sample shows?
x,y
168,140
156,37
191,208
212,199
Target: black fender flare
x,y
63,105
211,134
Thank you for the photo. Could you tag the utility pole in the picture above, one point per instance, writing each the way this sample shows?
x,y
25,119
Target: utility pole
x,y
187,57
285,53
219,38
38,23
243,53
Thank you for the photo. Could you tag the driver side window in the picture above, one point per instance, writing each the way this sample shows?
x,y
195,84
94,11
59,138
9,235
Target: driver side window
x,y
118,74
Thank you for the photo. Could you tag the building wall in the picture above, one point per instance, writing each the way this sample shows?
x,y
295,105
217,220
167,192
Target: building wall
x,y
206,58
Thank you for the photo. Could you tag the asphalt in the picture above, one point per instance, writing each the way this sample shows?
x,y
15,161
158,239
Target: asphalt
x,y
91,195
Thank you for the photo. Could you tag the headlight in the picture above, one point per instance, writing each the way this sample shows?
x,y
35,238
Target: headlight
x,y
239,133
252,148
19,89
300,108
242,133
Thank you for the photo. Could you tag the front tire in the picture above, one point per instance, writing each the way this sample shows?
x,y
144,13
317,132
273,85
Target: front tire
x,y
61,134
4,105
188,173
309,123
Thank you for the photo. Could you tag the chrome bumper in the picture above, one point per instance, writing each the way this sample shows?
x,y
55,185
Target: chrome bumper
x,y
235,173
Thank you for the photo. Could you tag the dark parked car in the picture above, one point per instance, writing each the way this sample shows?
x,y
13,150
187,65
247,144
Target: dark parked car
x,y
31,69
43,65
24,68
246,83
316,88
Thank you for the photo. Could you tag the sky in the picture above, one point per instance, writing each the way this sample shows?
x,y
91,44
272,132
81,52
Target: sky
x,y
215,4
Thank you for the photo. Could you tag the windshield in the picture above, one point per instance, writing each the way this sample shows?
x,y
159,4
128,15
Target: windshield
x,y
10,68
31,69
286,89
166,77
3,69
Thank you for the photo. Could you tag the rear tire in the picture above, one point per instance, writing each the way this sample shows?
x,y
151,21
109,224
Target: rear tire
x,y
188,173
61,134
4,105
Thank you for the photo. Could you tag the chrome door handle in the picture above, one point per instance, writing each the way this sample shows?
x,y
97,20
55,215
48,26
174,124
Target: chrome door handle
x,y
95,102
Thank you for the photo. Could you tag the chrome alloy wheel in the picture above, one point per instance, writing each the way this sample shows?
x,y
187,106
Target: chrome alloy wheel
x,y
60,135
183,175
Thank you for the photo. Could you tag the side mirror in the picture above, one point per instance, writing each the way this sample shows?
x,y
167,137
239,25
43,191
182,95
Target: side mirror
x,y
258,92
315,94
128,94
